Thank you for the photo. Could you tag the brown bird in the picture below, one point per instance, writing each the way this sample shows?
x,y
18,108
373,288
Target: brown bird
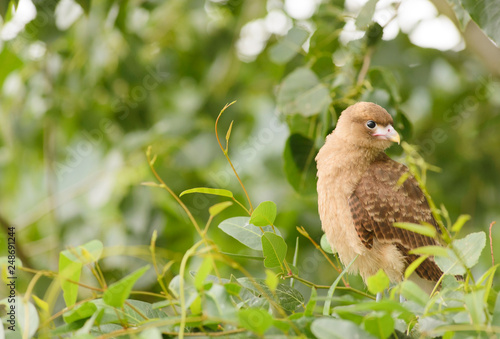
x,y
359,198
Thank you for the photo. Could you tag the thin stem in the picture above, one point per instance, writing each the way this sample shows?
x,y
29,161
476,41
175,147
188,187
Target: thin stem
x,y
159,276
188,254
491,245
303,231
55,275
99,271
366,66
242,206
225,151
326,287
179,201
169,190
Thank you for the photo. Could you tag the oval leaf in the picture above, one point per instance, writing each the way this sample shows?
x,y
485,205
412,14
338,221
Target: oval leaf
x,y
302,93
437,251
485,14
378,282
326,246
255,319
217,208
469,248
206,190
286,49
264,214
274,249
330,328
249,235
427,230
117,293
457,226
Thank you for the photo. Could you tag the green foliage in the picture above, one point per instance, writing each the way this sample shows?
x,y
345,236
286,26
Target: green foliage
x,y
299,164
463,254
274,249
485,14
116,293
302,93
246,233
264,214
378,283
83,99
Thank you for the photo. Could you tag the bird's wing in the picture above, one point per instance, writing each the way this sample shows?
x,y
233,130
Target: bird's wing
x,y
378,202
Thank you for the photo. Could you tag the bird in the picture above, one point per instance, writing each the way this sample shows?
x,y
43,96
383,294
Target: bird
x,y
360,197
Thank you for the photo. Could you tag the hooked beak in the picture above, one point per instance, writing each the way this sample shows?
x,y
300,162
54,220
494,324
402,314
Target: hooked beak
x,y
387,133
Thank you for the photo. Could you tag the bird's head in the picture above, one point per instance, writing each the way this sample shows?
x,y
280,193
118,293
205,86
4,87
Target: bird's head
x,y
367,125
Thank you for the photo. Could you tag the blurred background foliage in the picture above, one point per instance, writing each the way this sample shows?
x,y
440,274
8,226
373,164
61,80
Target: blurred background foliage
x,y
87,86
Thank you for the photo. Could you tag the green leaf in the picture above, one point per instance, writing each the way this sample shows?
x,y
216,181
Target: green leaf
x,y
485,13
326,246
302,93
285,296
228,133
469,249
380,325
474,302
264,214
311,304
403,126
274,249
70,267
69,270
83,311
206,190
438,251
232,288
202,273
271,280
256,320
414,265
218,303
462,219
387,306
330,328
378,282
427,230
118,292
300,168
217,208
413,292
9,61
249,235
86,254
286,49
366,14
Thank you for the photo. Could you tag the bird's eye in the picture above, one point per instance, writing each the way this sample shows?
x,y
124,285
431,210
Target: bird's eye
x,y
371,124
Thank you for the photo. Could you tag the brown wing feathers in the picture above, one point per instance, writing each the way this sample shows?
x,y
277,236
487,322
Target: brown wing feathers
x,y
378,202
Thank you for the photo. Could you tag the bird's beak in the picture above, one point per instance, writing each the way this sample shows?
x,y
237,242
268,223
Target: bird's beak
x,y
387,133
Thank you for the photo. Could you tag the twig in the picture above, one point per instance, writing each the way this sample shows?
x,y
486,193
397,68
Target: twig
x,y
303,231
491,244
225,151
